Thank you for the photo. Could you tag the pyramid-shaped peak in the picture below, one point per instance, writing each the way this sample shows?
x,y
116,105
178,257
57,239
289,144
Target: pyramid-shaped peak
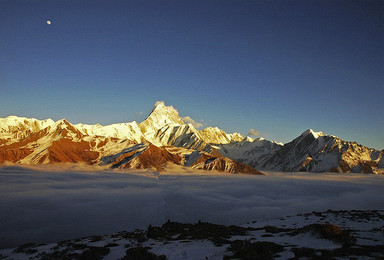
x,y
62,123
313,133
160,116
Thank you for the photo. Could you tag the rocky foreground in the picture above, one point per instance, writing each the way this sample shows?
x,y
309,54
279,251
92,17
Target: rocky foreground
x,y
345,234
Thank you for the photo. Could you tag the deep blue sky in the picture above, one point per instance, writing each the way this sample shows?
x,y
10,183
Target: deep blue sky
x,y
279,67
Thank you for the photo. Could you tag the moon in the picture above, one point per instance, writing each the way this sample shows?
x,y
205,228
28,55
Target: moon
x,y
48,22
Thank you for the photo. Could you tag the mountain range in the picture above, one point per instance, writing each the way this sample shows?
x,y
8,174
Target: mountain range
x,y
164,139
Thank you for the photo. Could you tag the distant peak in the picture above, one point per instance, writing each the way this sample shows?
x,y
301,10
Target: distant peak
x,y
14,117
248,139
210,128
62,123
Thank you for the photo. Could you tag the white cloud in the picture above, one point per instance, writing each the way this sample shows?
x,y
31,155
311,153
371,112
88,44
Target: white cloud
x,y
48,206
189,120
159,102
138,114
253,132
162,103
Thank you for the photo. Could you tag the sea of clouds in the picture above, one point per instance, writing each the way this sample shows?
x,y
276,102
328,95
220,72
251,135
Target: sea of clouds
x,y
49,205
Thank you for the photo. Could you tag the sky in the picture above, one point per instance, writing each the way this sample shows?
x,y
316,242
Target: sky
x,y
276,67
46,206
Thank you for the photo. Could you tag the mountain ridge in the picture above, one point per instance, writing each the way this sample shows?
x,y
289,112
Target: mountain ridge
x,y
46,141
318,152
32,141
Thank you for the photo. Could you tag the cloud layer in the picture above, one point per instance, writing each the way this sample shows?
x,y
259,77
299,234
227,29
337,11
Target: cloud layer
x,y
38,206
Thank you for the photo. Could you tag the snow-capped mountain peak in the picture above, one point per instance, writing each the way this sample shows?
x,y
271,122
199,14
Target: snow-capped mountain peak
x,y
313,133
214,135
160,116
249,139
62,123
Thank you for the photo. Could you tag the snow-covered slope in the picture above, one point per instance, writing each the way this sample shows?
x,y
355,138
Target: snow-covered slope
x,y
130,131
214,135
13,128
181,136
249,151
12,123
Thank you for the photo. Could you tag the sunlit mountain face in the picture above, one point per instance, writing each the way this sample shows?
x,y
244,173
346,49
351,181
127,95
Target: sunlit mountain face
x,y
163,139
